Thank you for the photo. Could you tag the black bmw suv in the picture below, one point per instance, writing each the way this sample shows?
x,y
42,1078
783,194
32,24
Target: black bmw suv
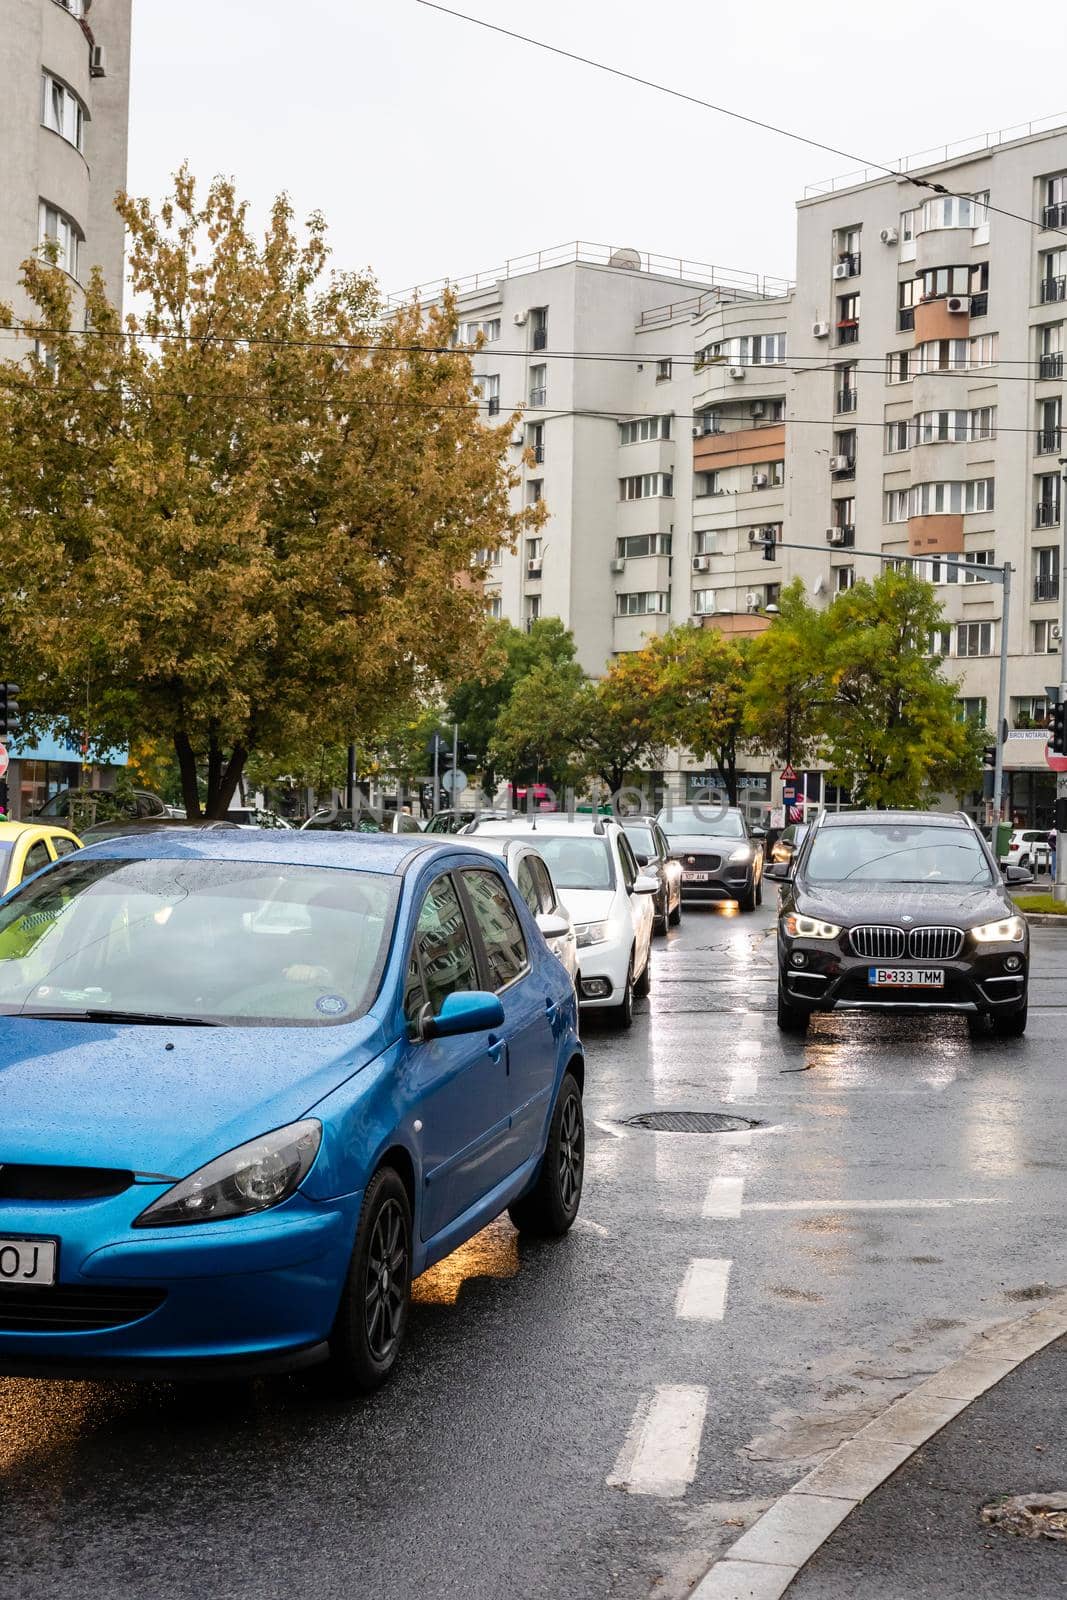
x,y
900,911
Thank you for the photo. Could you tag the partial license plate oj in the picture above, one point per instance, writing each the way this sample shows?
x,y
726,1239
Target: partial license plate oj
x,y
27,1263
906,977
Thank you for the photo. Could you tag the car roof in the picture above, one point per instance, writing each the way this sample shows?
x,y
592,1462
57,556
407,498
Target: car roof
x,y
14,830
895,819
363,852
639,822
544,822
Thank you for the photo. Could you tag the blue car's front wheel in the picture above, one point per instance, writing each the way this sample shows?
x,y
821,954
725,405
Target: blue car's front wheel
x,y
371,1321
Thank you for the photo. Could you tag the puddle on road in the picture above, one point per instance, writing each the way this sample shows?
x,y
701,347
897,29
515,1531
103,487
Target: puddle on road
x,y
493,1253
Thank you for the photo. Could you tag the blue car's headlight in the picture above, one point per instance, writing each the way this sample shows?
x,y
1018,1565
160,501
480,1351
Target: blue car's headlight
x,y
254,1177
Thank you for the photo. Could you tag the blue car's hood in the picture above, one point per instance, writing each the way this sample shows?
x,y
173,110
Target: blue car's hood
x,y
95,1094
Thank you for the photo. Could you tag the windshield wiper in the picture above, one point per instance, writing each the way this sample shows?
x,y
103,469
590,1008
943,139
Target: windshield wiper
x,y
151,1018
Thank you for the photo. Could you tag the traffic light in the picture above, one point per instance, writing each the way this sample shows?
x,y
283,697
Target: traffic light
x,y
1059,729
766,538
9,709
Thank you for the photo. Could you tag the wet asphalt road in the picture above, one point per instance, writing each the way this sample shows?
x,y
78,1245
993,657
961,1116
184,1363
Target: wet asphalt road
x,y
482,1471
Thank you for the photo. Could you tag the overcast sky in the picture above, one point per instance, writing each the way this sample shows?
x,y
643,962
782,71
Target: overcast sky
x,y
436,148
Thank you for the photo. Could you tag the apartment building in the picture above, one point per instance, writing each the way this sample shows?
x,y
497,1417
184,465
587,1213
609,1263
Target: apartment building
x,y
64,93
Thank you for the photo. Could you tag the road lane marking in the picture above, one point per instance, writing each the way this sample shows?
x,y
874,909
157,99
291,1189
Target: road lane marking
x,y
872,1205
743,1083
702,1296
748,1047
723,1199
660,1454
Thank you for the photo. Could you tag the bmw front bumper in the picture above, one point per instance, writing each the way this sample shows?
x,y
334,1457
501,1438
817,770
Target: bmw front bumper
x,y
978,981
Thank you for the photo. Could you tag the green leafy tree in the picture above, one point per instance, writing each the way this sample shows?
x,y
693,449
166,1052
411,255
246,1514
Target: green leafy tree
x,y
785,689
698,678
621,727
510,654
541,735
246,518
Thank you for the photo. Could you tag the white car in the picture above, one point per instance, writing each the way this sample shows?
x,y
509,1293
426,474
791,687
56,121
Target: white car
x,y
1028,847
529,872
608,896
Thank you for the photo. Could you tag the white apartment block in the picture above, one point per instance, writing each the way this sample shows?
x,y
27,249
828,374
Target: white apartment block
x,y
64,96
905,399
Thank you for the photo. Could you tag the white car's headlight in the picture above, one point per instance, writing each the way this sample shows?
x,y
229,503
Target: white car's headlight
x,y
254,1177
798,927
1010,930
588,933
742,853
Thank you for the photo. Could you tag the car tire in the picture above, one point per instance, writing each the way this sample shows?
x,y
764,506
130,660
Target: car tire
x,y
623,1014
368,1331
675,916
747,901
550,1207
759,892
660,920
791,1018
644,982
1012,1027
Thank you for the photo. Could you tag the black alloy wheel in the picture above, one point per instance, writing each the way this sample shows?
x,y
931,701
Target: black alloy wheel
x,y
372,1318
549,1209
747,900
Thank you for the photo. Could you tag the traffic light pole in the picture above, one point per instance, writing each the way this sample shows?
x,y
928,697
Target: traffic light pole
x,y
988,574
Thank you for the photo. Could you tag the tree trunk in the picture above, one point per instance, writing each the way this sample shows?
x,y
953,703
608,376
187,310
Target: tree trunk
x,y
222,779
187,767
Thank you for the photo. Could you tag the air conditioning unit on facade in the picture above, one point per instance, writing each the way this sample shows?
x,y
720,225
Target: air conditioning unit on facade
x,y
755,536
701,563
518,443
753,601
760,480
97,61
841,270
959,304
533,567
840,463
757,409
1056,631
889,235
835,535
618,564
737,372
519,318
820,330
698,433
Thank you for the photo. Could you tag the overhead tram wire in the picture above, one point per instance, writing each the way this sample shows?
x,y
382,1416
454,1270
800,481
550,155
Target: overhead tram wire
x,y
726,111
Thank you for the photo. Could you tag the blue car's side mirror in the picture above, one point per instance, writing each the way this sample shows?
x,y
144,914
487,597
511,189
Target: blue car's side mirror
x,y
465,1011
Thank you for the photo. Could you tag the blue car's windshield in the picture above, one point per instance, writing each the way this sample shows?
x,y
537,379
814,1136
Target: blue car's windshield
x,y
236,942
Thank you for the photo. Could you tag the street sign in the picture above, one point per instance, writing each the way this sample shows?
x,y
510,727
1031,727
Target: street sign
x,y
454,781
777,817
4,760
788,775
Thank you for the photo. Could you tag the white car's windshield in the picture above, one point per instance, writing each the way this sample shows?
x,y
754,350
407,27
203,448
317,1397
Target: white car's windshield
x,y
236,942
897,853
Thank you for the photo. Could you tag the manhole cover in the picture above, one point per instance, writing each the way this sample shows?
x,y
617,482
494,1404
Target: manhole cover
x,y
689,1122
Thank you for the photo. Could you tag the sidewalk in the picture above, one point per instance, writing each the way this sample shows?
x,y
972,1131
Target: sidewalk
x,y
919,1536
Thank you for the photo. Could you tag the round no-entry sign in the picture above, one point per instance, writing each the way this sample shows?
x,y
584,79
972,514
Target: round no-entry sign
x,y
4,759
1057,763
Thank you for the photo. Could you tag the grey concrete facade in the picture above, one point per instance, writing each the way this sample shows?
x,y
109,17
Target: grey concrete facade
x,y
64,95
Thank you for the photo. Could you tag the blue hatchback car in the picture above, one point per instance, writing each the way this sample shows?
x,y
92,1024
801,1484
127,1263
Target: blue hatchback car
x,y
252,1083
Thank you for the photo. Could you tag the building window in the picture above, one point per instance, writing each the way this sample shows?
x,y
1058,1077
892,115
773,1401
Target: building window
x,y
1054,201
62,111
1049,433
643,544
951,498
974,638
747,350
535,491
972,708
896,505
847,251
539,328
937,282
496,607
471,332
646,485
535,440
980,558
940,641
663,371
1046,639
1047,573
487,385
1052,282
843,516
703,602
848,318
708,420
954,427
899,366
643,603
1029,711
844,578
1047,500
953,211
845,386
639,429
768,474
844,453
531,607
538,385
1050,350
705,483
62,236
897,436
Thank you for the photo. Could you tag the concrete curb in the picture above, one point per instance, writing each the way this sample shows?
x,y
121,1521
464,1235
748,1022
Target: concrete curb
x,y
764,1561
1045,919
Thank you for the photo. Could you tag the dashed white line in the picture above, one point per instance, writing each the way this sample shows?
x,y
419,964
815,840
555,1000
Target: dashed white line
x,y
663,1443
743,1083
872,1205
723,1199
702,1296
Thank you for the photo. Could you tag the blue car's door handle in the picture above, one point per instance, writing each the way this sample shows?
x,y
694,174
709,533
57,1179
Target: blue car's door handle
x,y
551,1006
496,1048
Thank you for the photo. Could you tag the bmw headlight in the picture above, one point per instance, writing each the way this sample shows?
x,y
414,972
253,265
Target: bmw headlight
x,y
798,927
1010,930
254,1177
588,933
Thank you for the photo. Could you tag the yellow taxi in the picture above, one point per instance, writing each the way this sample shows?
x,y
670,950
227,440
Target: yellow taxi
x,y
26,847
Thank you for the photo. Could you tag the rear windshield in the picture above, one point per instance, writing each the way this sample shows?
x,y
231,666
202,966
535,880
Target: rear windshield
x,y
236,942
897,853
580,861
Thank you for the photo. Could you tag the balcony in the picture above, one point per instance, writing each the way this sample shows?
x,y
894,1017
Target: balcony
x,y
1047,587
1053,289
842,535
1048,441
845,400
1054,216
852,262
980,304
539,453
905,319
540,338
1047,514
1051,365
849,332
